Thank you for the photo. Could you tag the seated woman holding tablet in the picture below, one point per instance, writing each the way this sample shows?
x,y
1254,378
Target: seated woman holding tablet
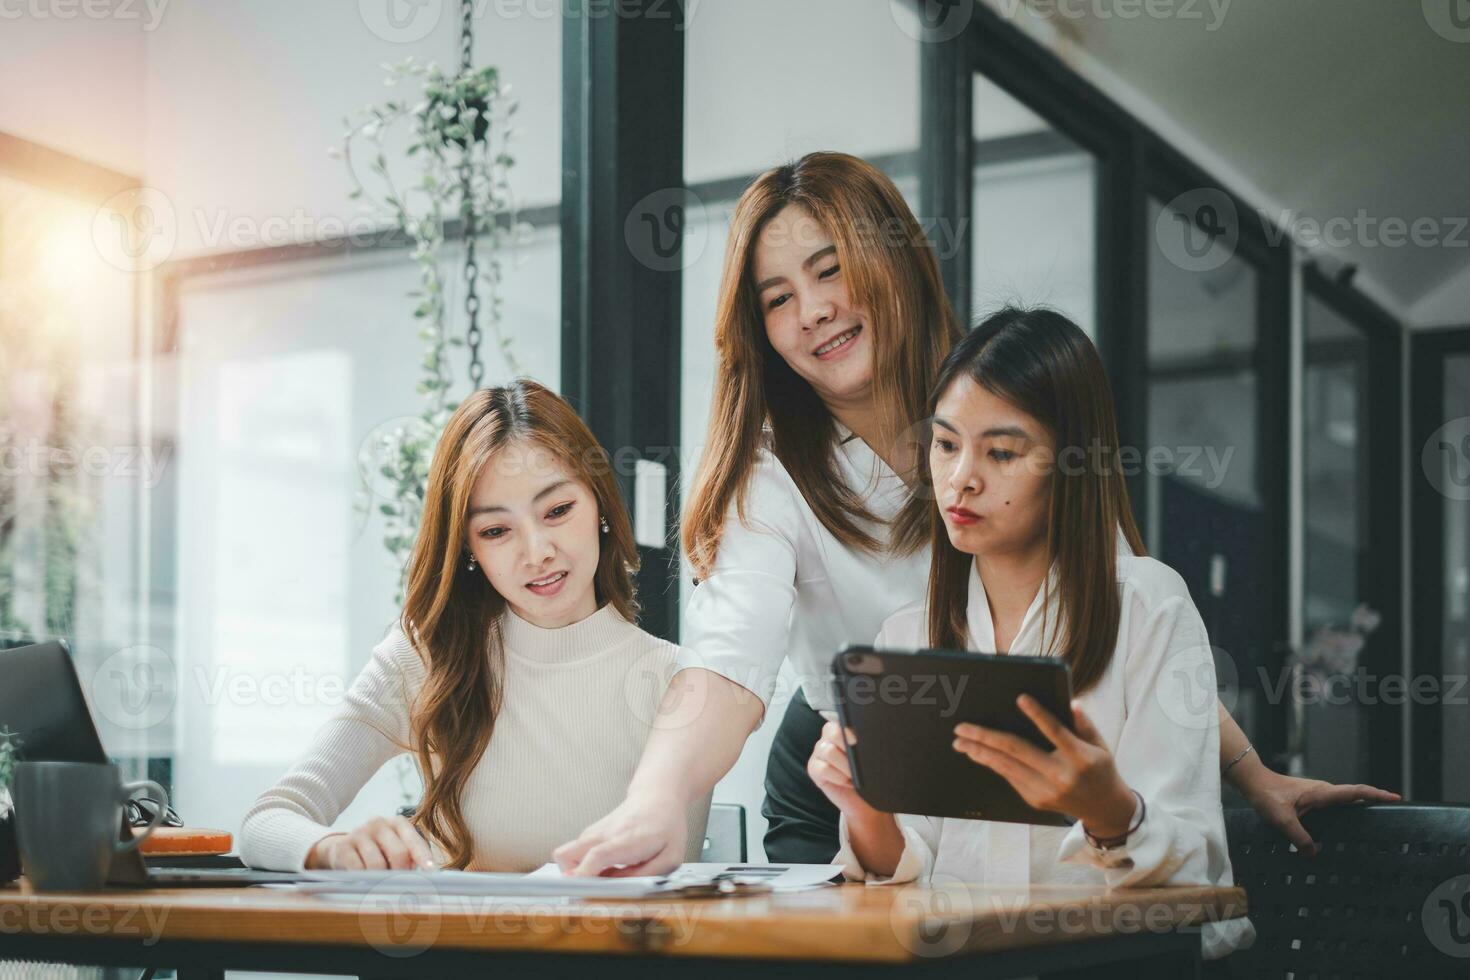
x,y
517,637
1035,553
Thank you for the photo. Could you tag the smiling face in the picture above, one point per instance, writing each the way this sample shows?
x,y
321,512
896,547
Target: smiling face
x,y
991,464
533,528
804,304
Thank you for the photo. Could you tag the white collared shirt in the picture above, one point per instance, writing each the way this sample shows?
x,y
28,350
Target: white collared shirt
x,y
1156,709
786,588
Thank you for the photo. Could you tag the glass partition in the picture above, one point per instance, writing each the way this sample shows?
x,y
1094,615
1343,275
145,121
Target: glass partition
x,y
1205,513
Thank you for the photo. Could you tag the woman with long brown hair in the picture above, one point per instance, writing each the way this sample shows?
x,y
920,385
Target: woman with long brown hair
x,y
1035,553
830,329
516,637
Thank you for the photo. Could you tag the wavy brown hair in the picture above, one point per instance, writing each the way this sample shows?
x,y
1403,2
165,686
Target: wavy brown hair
x,y
452,615
891,273
1043,364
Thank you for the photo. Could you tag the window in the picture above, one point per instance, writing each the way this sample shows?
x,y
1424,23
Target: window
x,y
1034,212
1208,513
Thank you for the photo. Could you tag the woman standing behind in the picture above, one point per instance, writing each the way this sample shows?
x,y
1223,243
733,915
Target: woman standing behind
x,y
830,328
517,637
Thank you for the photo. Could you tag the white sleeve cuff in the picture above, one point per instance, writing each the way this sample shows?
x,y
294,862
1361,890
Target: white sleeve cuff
x,y
1076,848
911,863
277,838
1154,854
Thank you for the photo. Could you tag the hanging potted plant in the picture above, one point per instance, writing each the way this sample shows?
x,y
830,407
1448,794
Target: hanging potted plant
x,y
455,175
9,850
459,127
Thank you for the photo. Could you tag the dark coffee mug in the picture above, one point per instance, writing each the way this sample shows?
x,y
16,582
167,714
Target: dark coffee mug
x,y
68,815
9,855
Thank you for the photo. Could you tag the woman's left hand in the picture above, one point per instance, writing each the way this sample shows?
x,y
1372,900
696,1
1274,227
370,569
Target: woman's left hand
x,y
1077,779
1282,800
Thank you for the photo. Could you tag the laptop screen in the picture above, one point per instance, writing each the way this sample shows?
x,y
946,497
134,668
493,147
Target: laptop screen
x,y
41,701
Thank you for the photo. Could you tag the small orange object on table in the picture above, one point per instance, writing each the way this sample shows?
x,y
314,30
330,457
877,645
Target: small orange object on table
x,y
186,841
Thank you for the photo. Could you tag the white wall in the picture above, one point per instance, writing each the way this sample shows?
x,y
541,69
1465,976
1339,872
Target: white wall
x,y
75,83
769,80
244,100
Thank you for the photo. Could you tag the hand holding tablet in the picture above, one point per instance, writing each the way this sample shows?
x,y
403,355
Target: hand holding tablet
x,y
905,708
1076,776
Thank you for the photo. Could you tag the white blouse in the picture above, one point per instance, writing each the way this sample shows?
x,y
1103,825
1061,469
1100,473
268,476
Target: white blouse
x,y
1155,707
786,588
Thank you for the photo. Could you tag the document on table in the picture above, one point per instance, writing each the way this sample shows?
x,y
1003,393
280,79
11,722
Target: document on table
x,y
549,882
781,877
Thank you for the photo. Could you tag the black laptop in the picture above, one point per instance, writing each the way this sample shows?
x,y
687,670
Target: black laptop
x,y
41,700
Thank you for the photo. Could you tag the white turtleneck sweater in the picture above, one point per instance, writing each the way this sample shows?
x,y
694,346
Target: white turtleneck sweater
x,y
578,705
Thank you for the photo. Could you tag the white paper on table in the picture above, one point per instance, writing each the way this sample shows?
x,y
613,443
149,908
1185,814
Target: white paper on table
x,y
781,877
502,884
549,882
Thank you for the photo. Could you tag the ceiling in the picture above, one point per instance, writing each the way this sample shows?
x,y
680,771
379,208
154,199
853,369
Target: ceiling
x,y
1353,110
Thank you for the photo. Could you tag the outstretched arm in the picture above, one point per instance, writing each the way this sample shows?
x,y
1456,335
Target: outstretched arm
x,y
736,631
701,727
1282,799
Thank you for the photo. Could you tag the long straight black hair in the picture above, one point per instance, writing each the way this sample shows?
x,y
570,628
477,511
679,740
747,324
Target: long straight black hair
x,y
1043,364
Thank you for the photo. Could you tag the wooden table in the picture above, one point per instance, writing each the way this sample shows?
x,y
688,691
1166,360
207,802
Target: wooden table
x,y
843,931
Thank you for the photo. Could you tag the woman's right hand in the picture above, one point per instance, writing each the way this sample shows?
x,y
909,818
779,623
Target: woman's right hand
x,y
874,836
645,835
378,845
829,769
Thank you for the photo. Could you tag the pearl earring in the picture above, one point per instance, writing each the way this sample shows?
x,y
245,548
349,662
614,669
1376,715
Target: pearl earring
x,y
604,525
471,564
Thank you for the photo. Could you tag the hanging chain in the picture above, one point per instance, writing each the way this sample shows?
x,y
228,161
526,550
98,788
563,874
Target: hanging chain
x,y
466,34
467,204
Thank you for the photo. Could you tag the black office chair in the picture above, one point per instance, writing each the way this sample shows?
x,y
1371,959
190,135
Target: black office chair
x,y
724,836
1387,895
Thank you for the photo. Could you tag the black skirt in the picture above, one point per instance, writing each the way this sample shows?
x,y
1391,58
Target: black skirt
x,y
802,822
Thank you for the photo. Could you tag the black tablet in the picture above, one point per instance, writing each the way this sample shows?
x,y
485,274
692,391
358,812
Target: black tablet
x,y
902,707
